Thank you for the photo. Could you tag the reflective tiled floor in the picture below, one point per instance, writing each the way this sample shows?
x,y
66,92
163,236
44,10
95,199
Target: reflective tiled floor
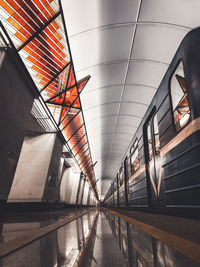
x,y
95,239
20,224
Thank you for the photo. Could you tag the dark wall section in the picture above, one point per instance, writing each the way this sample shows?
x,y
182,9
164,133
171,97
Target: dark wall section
x,y
15,104
53,183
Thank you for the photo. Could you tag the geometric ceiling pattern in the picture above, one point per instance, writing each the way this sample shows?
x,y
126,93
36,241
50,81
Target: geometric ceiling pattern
x,y
126,46
37,31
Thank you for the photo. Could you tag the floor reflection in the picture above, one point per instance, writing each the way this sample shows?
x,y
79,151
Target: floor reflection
x,y
56,249
19,224
141,250
95,239
106,249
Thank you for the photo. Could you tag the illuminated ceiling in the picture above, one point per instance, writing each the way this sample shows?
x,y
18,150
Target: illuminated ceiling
x,y
126,46
37,32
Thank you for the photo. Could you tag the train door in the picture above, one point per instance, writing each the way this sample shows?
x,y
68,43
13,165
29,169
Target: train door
x,y
153,160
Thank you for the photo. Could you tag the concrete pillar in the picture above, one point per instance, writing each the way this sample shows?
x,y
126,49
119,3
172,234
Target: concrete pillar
x,y
78,192
88,199
52,185
85,194
81,191
84,179
33,169
74,187
64,183
16,99
60,175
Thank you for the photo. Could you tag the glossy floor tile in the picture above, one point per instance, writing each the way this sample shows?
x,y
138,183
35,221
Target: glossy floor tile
x,y
15,226
95,239
106,249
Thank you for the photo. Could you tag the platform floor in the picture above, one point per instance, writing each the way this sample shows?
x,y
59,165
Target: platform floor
x,y
98,237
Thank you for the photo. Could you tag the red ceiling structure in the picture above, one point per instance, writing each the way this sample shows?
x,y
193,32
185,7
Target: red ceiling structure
x,y
37,31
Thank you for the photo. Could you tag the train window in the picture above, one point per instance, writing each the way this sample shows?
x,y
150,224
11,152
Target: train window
x,y
149,138
121,175
134,157
180,105
156,135
153,137
115,185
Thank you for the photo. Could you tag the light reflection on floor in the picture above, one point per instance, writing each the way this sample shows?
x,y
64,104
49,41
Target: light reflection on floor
x,y
95,239
20,224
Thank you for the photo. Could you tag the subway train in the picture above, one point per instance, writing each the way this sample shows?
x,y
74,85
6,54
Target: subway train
x,y
161,170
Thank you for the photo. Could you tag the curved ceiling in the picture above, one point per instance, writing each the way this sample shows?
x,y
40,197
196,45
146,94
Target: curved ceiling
x,y
126,47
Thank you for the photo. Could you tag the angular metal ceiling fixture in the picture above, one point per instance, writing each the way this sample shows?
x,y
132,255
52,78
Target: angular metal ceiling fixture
x,y
38,33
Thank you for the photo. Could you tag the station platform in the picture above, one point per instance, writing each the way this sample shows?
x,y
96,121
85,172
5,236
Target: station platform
x,y
98,237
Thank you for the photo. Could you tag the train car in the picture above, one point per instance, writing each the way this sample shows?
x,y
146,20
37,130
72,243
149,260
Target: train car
x,y
162,167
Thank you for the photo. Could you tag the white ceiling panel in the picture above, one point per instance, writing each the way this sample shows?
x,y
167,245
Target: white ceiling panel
x,y
157,42
98,111
101,45
134,109
96,141
100,128
104,130
96,124
125,137
178,12
120,139
87,11
104,75
126,128
117,11
138,93
101,96
146,73
129,120
117,150
116,154
119,144
103,159
95,13
101,119
106,120
113,167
